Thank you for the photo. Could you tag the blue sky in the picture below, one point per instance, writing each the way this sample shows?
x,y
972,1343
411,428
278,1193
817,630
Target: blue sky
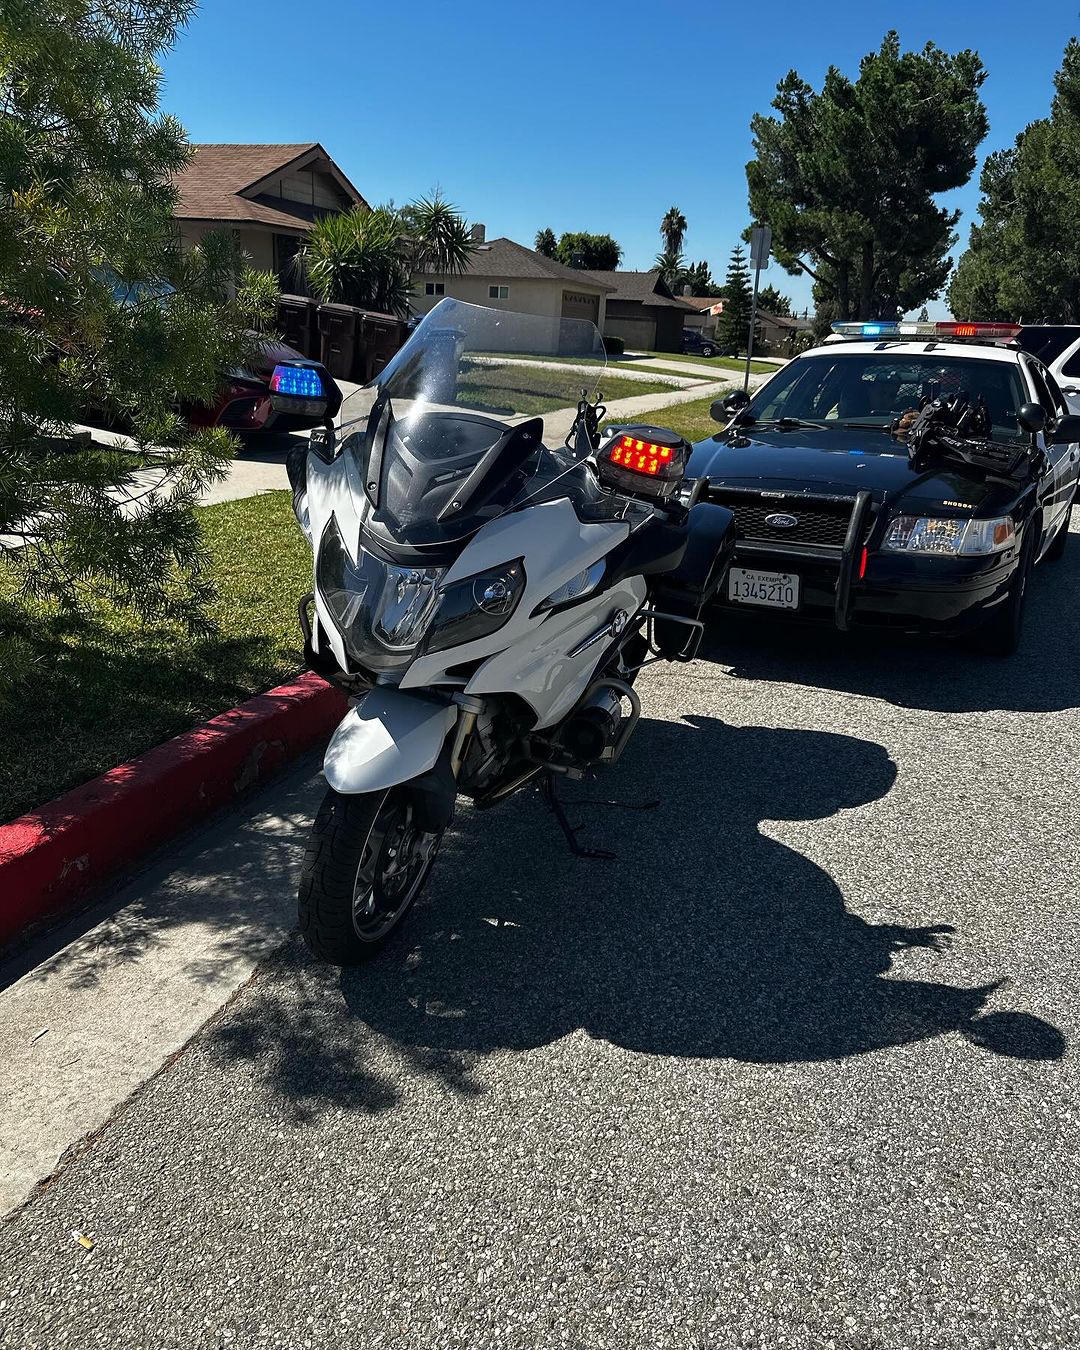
x,y
589,115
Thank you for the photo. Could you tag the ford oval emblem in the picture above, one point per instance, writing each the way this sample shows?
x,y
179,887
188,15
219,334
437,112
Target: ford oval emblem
x,y
781,521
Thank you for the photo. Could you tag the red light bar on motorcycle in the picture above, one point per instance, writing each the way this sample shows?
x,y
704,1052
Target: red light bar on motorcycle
x,y
640,456
901,328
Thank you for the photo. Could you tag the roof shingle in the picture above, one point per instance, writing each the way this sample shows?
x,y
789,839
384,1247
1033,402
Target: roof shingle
x,y
646,288
212,184
504,258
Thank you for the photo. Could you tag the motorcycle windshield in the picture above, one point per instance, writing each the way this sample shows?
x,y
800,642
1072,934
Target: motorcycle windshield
x,y
468,420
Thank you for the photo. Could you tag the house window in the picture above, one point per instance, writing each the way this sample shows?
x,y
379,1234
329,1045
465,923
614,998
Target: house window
x,y
498,292
434,288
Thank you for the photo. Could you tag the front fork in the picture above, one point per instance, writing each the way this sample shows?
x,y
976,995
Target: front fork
x,y
471,708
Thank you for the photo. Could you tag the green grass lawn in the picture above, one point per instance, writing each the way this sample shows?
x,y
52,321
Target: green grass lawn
x,y
102,688
530,390
691,419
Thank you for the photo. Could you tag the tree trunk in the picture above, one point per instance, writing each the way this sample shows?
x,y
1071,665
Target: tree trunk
x,y
843,291
866,283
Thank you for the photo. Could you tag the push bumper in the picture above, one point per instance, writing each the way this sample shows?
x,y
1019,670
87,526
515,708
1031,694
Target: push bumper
x,y
859,588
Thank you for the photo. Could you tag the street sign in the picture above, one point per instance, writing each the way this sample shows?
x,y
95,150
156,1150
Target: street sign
x,y
760,245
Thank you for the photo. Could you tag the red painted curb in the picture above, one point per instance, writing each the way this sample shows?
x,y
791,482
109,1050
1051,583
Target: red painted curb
x,y
51,857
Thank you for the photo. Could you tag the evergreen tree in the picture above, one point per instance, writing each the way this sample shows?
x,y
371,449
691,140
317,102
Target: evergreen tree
x,y
733,325
700,277
104,315
847,177
1023,260
773,302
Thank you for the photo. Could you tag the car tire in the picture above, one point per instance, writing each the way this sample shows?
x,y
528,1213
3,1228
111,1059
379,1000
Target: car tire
x,y
1056,551
708,351
352,896
1000,634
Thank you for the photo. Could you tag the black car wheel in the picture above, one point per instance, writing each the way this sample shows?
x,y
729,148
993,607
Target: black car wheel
x,y
1000,634
708,351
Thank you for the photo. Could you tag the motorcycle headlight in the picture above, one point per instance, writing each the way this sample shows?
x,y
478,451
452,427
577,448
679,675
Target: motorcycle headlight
x,y
949,537
381,610
475,606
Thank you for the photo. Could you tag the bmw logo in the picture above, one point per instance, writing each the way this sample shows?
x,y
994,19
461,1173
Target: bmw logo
x,y
781,521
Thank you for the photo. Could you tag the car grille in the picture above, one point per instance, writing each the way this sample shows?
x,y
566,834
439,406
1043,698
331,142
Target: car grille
x,y
820,522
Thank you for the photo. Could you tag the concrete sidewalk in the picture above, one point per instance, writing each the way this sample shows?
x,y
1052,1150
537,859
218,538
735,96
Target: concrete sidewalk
x,y
96,1008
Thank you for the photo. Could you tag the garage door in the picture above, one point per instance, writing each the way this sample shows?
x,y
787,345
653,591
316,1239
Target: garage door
x,y
578,306
637,334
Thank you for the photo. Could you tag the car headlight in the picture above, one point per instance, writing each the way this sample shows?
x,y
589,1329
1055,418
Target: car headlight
x,y
475,607
949,537
578,586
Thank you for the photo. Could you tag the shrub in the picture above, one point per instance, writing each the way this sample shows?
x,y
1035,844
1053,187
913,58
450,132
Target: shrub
x,y
614,346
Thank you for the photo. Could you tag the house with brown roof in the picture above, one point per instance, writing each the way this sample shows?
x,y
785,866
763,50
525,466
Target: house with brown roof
x,y
708,308
267,195
643,312
505,275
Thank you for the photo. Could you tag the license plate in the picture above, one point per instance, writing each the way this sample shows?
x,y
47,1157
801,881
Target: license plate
x,y
775,590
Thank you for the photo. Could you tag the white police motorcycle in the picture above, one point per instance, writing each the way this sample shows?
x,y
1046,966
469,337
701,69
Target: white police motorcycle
x,y
491,571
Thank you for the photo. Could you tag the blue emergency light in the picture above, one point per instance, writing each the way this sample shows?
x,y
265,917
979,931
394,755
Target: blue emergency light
x,y
297,382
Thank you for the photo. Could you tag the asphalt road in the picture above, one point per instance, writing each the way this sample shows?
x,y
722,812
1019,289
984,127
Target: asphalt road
x,y
798,1070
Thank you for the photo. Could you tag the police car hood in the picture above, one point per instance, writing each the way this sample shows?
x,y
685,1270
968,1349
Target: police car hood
x,y
831,460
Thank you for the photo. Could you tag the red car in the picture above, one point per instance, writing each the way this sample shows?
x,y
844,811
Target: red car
x,y
247,404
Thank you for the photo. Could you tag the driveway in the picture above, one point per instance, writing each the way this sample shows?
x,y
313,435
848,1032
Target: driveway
x,y
798,1070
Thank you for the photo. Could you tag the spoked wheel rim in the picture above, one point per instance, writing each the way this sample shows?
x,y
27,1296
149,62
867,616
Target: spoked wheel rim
x,y
396,859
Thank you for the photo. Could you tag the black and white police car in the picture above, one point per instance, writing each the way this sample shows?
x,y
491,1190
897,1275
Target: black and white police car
x,y
847,513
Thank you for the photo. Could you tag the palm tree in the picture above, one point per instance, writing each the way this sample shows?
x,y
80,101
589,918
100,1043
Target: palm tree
x,y
439,235
672,267
673,230
545,242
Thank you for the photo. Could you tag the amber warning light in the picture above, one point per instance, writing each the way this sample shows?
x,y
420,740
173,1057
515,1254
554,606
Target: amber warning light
x,y
640,456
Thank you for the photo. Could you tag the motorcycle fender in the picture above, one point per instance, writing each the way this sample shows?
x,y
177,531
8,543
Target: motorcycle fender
x,y
386,739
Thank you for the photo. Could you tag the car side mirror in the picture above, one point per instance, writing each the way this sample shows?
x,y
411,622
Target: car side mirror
x,y
724,409
1032,417
1066,430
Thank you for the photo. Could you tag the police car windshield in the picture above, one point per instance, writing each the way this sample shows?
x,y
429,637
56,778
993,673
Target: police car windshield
x,y
871,389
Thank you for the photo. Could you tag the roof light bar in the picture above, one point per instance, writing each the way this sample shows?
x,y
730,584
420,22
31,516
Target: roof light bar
x,y
901,328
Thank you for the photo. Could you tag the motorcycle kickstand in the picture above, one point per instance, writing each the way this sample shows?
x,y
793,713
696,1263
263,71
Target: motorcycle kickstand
x,y
570,832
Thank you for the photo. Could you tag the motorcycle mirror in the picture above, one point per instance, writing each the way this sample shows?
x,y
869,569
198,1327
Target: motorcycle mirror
x,y
1032,417
724,409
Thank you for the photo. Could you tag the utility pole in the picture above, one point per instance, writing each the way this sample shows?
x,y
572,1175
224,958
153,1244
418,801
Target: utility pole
x,y
760,244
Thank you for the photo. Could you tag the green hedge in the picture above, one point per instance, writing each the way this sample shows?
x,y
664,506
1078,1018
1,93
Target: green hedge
x,y
614,346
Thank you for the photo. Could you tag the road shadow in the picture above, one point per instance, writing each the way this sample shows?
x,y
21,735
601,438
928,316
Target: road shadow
x,y
935,674
707,939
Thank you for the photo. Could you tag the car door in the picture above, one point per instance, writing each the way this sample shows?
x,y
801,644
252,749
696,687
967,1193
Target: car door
x,y
1056,490
1066,371
1071,456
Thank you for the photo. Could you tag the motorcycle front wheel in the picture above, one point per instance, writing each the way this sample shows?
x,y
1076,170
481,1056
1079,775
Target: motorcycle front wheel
x,y
365,865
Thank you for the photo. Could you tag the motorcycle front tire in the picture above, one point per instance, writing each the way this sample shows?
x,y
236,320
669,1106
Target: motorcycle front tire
x,y
367,861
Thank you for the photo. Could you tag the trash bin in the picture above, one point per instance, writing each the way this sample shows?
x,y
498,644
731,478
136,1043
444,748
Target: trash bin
x,y
337,338
378,338
445,347
296,324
